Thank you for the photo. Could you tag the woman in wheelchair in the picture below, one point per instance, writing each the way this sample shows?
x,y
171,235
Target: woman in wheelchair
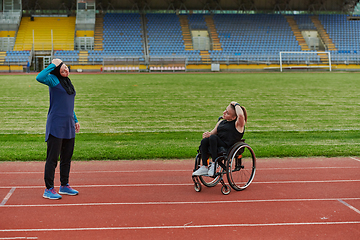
x,y
229,129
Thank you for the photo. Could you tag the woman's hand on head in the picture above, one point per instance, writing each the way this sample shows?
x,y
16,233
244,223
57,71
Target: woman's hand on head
x,y
56,61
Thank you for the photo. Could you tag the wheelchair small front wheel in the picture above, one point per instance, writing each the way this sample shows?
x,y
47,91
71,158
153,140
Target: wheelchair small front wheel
x,y
225,189
197,187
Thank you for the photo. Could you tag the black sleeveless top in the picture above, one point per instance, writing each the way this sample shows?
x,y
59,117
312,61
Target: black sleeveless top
x,y
228,132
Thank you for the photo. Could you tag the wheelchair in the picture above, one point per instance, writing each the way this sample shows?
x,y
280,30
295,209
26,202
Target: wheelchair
x,y
238,163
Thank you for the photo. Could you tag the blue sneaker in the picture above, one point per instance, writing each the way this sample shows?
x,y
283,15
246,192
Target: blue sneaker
x,y
51,194
68,190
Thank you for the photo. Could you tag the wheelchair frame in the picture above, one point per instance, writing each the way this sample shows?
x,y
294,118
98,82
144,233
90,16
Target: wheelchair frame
x,y
229,162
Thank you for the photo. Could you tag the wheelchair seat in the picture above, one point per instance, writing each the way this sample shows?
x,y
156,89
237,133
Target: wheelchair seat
x,y
222,151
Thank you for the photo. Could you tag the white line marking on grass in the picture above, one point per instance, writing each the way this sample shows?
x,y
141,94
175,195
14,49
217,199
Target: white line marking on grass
x,y
188,184
181,226
7,196
176,203
349,206
355,159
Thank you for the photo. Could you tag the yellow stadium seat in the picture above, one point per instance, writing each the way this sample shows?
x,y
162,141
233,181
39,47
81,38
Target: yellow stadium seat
x,y
39,33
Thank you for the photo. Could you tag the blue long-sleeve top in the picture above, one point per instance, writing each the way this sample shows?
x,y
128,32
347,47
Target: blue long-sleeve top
x,y
61,116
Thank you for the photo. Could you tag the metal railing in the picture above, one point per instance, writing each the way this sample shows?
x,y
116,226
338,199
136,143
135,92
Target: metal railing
x,y
184,60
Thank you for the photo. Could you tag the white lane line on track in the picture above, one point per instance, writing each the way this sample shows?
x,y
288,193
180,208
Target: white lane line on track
x,y
178,203
104,171
179,170
349,206
186,184
355,159
12,190
180,226
16,238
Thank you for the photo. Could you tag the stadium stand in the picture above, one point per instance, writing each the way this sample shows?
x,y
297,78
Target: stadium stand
x,y
68,56
323,34
297,33
17,56
122,36
63,31
98,38
164,41
184,23
7,33
261,36
2,57
165,37
213,33
345,36
84,33
304,21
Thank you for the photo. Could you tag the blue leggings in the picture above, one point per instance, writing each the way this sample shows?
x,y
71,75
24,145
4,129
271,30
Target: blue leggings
x,y
209,147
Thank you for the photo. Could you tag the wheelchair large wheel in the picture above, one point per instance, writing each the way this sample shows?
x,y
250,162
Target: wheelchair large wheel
x,y
206,180
241,166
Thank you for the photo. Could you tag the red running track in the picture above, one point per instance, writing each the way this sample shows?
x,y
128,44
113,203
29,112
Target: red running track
x,y
303,198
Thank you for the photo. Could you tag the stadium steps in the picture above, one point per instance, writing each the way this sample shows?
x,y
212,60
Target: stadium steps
x,y
63,29
84,33
184,23
2,57
7,33
323,34
98,39
205,56
297,33
323,57
83,57
213,33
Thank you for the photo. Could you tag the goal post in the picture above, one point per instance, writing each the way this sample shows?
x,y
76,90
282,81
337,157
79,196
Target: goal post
x,y
305,60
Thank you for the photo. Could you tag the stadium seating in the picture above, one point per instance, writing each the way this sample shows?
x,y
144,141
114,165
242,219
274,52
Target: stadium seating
x,y
264,35
122,34
197,21
304,22
345,35
244,38
67,56
63,32
20,57
165,37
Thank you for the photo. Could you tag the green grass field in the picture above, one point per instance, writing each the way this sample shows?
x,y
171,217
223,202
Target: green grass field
x,y
149,116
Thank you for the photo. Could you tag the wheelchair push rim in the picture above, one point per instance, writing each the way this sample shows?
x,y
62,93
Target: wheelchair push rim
x,y
241,167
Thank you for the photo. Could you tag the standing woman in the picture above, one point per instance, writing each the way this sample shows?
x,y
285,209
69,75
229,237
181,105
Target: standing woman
x,y
61,126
